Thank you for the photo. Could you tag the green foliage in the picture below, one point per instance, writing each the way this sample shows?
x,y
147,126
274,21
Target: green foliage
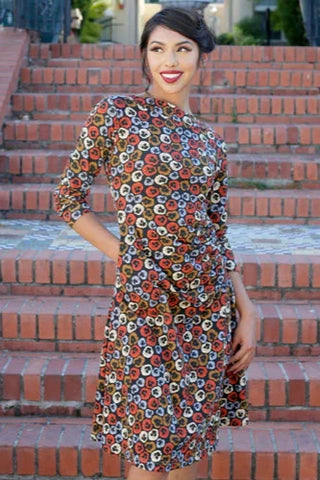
x,y
226,39
290,20
249,31
92,10
251,26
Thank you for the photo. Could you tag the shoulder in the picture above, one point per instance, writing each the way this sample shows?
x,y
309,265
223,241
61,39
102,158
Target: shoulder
x,y
120,101
214,138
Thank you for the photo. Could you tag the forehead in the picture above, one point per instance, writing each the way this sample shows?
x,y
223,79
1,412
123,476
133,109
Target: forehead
x,y
166,35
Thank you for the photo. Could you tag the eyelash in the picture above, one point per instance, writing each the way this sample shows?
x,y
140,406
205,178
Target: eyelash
x,y
159,48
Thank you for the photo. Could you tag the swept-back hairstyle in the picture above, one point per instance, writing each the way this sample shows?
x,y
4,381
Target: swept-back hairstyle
x,y
189,23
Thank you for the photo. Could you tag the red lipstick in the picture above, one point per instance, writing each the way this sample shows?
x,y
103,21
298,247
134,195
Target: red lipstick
x,y
171,76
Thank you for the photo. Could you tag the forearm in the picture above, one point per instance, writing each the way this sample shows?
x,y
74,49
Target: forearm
x,y
243,302
92,230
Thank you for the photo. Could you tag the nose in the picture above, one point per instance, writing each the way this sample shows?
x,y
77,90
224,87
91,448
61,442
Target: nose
x,y
171,59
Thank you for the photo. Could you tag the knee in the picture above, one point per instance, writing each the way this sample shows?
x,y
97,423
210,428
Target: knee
x,y
136,473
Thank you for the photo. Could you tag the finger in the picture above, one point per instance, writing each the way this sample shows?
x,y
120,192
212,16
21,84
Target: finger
x,y
239,353
241,364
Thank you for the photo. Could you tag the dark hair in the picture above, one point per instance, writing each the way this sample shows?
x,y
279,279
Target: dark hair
x,y
188,22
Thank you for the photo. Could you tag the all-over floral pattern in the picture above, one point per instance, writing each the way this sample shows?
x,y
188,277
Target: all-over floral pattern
x,y
163,387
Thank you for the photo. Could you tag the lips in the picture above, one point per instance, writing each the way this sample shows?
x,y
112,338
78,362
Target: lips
x,y
171,76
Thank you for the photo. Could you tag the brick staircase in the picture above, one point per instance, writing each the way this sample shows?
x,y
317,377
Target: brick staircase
x,y
54,298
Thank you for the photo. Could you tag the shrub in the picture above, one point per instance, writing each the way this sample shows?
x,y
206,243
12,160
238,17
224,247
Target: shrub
x,y
226,39
92,10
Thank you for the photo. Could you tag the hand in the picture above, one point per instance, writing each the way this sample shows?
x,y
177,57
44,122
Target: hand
x,y
244,341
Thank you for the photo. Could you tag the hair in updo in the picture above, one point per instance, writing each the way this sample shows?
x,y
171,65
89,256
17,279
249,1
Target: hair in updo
x,y
189,23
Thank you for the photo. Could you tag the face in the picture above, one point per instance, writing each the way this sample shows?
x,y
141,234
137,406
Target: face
x,y
172,60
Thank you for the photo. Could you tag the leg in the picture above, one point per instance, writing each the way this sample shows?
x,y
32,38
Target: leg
x,y
186,473
136,473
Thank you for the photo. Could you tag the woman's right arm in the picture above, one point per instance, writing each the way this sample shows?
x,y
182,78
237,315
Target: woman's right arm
x,y
91,153
92,230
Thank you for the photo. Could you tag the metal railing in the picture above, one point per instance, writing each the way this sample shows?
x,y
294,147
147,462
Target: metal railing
x,y
50,18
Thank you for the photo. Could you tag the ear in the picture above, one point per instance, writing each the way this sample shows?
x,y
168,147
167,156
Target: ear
x,y
204,59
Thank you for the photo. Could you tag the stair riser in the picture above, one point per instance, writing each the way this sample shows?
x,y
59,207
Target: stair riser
x,y
36,202
72,273
64,449
244,109
55,384
240,138
75,325
42,167
218,77
281,55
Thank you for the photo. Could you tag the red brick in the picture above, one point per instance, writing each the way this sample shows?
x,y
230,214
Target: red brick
x,y
25,450
90,457
42,267
257,391
32,379
8,436
285,276
25,266
73,379
308,455
9,325
90,380
59,267
242,457
68,450
302,275
267,271
265,461
276,384
297,385
286,468
77,267
52,379
221,460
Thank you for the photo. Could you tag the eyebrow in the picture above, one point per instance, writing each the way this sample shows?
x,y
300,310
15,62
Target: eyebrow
x,y
179,43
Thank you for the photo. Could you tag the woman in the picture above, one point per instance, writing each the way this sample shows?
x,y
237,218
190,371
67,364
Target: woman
x,y
173,360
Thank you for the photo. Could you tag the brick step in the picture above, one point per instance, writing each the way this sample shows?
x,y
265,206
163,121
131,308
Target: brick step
x,y
61,324
222,108
61,447
241,138
95,79
35,201
299,171
135,63
74,272
268,56
280,389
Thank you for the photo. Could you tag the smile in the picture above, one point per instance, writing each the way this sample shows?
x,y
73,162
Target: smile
x,y
171,77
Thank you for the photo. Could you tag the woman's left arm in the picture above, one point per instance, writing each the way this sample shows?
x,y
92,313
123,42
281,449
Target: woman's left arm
x,y
244,340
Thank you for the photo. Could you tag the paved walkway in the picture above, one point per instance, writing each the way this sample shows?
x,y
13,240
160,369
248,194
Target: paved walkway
x,y
246,239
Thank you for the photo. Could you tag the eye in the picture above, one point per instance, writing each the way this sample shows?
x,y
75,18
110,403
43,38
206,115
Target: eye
x,y
184,48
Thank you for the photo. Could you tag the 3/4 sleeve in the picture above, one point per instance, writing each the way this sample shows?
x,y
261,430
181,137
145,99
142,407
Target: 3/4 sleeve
x,y
92,151
217,210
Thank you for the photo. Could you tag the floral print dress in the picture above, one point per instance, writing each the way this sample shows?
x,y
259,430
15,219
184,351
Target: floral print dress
x,y
163,388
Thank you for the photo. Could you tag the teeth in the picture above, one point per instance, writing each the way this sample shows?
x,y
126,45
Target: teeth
x,y
171,75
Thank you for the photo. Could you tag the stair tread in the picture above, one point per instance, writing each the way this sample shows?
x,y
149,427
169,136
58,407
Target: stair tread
x,y
275,193
281,157
277,240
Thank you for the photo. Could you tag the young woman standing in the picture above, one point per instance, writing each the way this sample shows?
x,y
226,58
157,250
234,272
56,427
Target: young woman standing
x,y
172,367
